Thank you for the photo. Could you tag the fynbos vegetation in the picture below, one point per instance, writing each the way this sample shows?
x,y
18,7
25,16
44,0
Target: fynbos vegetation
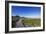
x,y
25,22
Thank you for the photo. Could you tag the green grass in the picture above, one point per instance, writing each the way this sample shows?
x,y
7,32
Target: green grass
x,y
33,22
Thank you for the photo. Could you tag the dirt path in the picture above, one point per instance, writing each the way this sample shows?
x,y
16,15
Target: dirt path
x,y
19,23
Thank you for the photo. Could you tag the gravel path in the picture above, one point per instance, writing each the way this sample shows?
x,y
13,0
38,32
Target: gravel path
x,y
20,24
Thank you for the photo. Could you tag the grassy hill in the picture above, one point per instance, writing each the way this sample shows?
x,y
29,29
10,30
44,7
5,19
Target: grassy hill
x,y
33,22
27,21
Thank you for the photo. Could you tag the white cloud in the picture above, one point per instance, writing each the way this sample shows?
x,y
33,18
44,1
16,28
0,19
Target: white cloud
x,y
32,16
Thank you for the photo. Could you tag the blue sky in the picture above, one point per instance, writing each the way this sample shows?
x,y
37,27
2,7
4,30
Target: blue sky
x,y
25,11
